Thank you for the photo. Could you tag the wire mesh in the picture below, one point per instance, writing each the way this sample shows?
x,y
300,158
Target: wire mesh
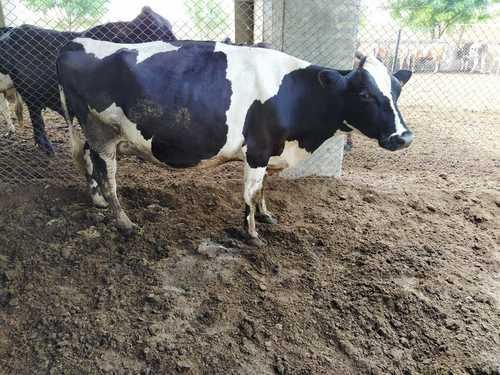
x,y
457,74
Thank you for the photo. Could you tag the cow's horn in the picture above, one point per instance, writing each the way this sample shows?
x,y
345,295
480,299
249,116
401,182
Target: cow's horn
x,y
362,59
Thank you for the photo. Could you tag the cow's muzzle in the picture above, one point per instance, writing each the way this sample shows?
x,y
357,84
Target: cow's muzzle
x,y
397,142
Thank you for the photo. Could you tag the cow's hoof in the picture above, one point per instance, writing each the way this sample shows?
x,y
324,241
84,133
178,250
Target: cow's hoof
x,y
130,231
99,200
46,147
256,242
266,219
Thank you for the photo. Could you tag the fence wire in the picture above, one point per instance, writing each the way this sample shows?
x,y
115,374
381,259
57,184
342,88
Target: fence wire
x,y
457,74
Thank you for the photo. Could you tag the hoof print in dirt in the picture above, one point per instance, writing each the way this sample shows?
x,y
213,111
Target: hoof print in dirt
x,y
211,249
266,219
90,233
236,233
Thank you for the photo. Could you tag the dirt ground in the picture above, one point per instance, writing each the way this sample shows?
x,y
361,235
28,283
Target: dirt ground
x,y
392,269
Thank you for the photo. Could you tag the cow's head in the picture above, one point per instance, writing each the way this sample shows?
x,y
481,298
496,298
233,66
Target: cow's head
x,y
370,96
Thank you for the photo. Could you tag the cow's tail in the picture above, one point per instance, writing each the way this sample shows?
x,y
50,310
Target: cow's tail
x,y
77,143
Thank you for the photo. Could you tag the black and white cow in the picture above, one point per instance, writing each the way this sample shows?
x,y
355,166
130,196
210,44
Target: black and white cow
x,y
198,104
28,55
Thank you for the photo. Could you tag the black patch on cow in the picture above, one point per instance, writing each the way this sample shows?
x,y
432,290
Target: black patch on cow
x,y
178,99
303,110
100,171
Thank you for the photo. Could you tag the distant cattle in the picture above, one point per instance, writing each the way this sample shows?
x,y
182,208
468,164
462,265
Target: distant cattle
x,y
381,51
463,56
472,57
477,55
494,53
28,55
199,104
421,56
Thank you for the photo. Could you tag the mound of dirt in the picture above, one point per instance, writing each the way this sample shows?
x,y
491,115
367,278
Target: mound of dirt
x,y
392,269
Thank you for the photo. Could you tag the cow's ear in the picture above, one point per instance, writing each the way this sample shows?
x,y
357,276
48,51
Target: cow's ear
x,y
403,76
332,78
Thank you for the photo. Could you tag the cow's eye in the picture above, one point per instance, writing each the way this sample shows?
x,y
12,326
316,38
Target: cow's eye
x,y
364,95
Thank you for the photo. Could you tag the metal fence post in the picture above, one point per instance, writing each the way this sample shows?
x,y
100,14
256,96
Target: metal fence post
x,y
396,51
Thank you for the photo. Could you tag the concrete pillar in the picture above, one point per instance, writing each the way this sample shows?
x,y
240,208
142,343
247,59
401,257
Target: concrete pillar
x,y
244,21
323,32
2,15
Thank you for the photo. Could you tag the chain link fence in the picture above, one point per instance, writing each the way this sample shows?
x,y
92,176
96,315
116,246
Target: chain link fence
x,y
457,74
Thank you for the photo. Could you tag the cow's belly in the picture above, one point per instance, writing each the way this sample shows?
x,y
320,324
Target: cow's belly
x,y
176,143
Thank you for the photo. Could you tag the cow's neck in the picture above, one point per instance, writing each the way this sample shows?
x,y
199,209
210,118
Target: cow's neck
x,y
318,111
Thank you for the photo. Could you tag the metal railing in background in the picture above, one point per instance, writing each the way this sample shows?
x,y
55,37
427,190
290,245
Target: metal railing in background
x,y
456,75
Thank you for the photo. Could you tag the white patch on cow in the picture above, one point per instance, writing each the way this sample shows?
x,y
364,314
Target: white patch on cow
x,y
383,80
255,74
114,115
5,82
292,154
101,49
88,162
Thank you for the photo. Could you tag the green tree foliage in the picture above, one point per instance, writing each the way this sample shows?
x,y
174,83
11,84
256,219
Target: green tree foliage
x,y
210,18
69,15
440,16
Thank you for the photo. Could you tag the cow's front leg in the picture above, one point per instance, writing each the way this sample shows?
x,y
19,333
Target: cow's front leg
x,y
104,172
263,215
254,178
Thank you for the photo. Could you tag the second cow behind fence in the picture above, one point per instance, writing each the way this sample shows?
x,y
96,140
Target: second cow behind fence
x,y
28,56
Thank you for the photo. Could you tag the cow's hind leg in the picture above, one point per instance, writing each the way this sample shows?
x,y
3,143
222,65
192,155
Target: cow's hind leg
x,y
263,215
94,188
5,112
104,174
39,130
254,178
